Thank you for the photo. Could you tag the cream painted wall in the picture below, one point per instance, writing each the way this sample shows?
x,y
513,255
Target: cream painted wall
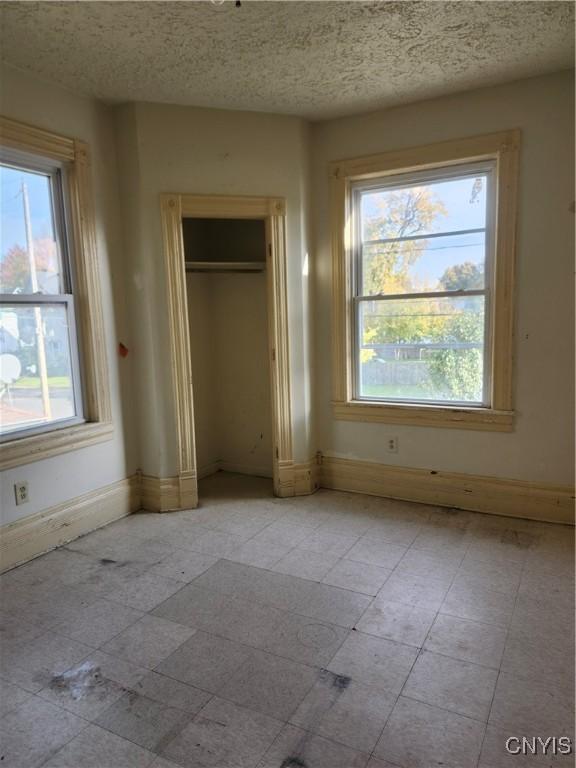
x,y
242,373
63,477
205,151
541,448
229,350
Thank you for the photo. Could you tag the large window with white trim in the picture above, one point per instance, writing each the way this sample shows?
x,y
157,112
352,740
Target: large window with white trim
x,y
40,388
423,244
422,250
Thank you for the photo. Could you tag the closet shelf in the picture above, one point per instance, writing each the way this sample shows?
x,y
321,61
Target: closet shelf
x,y
225,266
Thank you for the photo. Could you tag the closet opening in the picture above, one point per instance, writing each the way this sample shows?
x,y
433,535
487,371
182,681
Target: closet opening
x,y
228,320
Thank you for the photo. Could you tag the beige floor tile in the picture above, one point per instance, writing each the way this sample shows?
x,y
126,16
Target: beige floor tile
x,y
258,554
374,661
16,631
412,589
145,591
223,735
269,684
332,604
98,622
97,748
324,543
147,722
306,564
499,546
457,686
374,762
430,565
479,604
166,690
379,552
117,550
403,623
544,656
443,540
532,706
88,688
160,762
467,640
499,577
295,748
282,534
345,711
32,732
148,641
401,532
418,735
305,640
193,606
183,565
11,696
35,664
246,622
358,577
205,661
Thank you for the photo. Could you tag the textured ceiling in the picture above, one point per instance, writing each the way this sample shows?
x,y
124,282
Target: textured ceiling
x,y
315,59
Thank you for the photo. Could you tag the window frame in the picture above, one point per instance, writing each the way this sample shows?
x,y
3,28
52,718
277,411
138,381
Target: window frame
x,y
46,152
502,151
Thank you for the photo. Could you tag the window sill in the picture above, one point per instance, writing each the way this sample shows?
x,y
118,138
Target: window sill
x,y
425,415
25,450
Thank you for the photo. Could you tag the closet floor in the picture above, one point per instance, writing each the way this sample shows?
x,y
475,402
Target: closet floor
x,y
330,631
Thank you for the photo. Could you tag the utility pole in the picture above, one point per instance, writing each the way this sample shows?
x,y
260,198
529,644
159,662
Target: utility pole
x,y
41,347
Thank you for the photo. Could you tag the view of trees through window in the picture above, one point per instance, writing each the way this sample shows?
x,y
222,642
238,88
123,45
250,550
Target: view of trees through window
x,y
422,289
36,385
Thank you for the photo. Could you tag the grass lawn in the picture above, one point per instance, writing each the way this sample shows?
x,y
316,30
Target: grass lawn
x,y
389,390
33,382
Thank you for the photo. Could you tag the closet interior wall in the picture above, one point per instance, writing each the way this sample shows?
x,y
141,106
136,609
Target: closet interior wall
x,y
230,372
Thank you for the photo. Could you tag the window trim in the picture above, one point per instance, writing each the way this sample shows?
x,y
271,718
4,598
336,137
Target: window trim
x,y
74,158
503,149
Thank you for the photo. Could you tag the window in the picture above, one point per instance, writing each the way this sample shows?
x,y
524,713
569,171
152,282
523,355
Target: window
x,y
423,265
39,372
54,394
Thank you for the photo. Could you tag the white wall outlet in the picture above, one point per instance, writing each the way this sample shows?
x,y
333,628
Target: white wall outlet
x,y
392,445
21,492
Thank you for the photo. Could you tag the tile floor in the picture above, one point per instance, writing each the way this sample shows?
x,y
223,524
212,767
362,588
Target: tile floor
x,y
330,631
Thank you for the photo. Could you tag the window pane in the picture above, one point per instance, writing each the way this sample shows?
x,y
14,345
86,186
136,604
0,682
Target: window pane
x,y
422,349
450,205
35,366
451,263
29,258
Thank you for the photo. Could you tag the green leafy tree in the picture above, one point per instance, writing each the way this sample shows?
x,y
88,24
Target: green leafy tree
x,y
463,277
387,265
399,214
457,373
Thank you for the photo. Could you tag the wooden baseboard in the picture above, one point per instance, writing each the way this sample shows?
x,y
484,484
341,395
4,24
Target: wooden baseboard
x,y
166,494
24,539
298,479
498,496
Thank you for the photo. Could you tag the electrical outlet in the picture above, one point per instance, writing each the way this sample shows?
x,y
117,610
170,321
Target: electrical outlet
x,y
392,445
21,492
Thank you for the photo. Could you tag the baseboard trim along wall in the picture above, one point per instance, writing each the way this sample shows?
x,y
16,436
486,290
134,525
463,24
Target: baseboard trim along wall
x,y
498,496
166,494
24,539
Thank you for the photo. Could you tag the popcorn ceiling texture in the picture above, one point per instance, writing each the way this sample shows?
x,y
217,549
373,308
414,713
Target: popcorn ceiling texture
x,y
314,59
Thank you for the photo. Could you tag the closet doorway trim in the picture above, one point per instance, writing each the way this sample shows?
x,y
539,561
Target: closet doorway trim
x,y
272,210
